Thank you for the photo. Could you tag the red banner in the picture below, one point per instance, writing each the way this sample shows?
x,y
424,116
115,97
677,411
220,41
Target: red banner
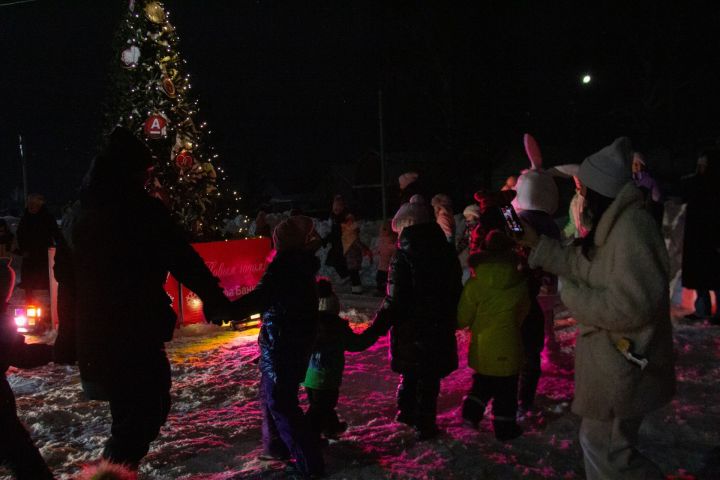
x,y
239,264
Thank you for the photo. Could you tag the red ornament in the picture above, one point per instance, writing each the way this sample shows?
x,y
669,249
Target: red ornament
x,y
156,126
184,160
168,86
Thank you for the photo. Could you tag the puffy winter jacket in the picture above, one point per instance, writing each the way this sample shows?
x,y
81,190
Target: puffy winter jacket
x,y
424,285
112,272
493,304
327,362
287,298
621,292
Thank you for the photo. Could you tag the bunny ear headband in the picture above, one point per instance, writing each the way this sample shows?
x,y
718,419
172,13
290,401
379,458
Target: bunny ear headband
x,y
533,151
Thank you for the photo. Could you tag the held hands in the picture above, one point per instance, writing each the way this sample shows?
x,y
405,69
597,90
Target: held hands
x,y
218,311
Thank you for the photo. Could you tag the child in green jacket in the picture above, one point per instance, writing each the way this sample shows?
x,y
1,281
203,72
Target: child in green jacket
x,y
493,305
324,373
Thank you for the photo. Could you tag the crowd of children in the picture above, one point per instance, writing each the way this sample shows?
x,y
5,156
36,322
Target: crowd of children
x,y
303,339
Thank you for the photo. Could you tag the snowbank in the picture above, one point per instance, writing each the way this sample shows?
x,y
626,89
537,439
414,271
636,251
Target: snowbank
x,y
213,432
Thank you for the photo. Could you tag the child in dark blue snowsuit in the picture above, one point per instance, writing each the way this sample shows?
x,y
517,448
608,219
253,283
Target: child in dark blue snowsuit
x,y
287,298
17,450
324,374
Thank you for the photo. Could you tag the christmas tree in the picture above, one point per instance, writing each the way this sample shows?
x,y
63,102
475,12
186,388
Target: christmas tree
x,y
152,96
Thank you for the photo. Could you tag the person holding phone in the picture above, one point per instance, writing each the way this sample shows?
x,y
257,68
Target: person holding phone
x,y
615,282
536,202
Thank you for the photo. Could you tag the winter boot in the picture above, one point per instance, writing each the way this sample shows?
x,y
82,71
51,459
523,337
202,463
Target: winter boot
x,y
405,417
335,429
426,431
473,410
506,429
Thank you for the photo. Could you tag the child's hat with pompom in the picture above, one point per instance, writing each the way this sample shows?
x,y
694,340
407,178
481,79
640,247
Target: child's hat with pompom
x,y
327,300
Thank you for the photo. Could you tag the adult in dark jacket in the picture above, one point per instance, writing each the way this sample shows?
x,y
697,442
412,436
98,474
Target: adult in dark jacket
x,y
701,246
490,218
424,286
335,256
115,314
536,202
537,321
7,239
36,232
288,301
17,450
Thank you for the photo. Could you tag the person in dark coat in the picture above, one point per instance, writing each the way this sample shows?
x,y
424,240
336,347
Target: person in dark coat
x,y
649,186
6,239
701,246
336,256
411,185
17,450
424,286
535,324
327,362
114,314
262,227
287,298
490,218
36,232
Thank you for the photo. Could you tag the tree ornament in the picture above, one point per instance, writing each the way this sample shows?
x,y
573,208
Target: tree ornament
x,y
209,170
130,56
184,160
158,38
156,126
183,140
168,86
155,12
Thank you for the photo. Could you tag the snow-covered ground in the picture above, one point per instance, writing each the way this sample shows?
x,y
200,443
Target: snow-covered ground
x,y
213,432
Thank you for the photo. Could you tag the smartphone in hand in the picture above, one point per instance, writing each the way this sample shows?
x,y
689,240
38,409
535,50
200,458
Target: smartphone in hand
x,y
512,221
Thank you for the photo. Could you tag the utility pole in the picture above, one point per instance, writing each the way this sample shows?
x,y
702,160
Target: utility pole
x,y
382,156
24,169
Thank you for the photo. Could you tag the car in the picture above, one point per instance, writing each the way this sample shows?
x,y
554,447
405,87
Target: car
x,y
32,319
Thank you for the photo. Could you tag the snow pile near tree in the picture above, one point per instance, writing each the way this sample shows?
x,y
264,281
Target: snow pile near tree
x,y
213,432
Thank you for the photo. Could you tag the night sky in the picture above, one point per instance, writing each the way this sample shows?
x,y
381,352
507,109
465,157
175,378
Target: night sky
x,y
289,88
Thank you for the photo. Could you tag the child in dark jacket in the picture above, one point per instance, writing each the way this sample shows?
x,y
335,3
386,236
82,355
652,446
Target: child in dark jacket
x,y
287,298
324,373
16,447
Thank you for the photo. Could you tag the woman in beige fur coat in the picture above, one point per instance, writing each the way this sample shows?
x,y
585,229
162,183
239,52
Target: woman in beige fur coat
x,y
616,285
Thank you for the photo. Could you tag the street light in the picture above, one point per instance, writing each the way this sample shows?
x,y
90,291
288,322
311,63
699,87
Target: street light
x,y
586,79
